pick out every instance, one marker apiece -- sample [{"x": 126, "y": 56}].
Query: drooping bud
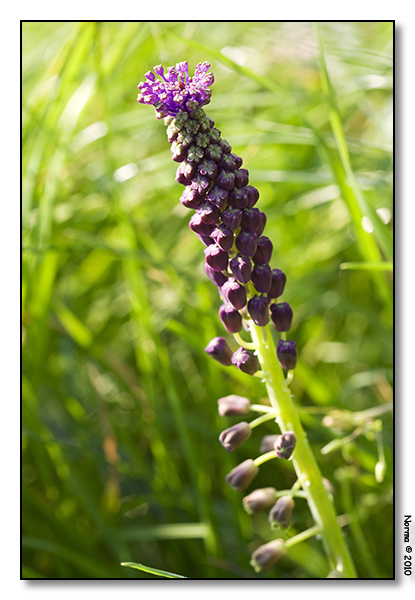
[
  {"x": 238, "y": 198},
  {"x": 225, "y": 179},
  {"x": 233, "y": 405},
  {"x": 250, "y": 220},
  {"x": 235, "y": 436},
  {"x": 209, "y": 213},
  {"x": 223, "y": 237},
  {"x": 253, "y": 195},
  {"x": 281, "y": 513},
  {"x": 242, "y": 475},
  {"x": 245, "y": 361},
  {"x": 241, "y": 178},
  {"x": 216, "y": 277},
  {"x": 198, "y": 226},
  {"x": 278, "y": 284},
  {"x": 246, "y": 242},
  {"x": 267, "y": 443},
  {"x": 287, "y": 354},
  {"x": 259, "y": 500},
  {"x": 219, "y": 349},
  {"x": 218, "y": 196},
  {"x": 267, "y": 555},
  {"x": 282, "y": 316},
  {"x": 285, "y": 444},
  {"x": 262, "y": 278},
  {"x": 258, "y": 310},
  {"x": 263, "y": 253},
  {"x": 230, "y": 318},
  {"x": 234, "y": 293},
  {"x": 241, "y": 267},
  {"x": 216, "y": 258},
  {"x": 231, "y": 217}
]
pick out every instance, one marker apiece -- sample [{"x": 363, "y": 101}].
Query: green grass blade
[
  {"x": 152, "y": 571},
  {"x": 367, "y": 266}
]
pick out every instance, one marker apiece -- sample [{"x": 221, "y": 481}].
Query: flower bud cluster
[{"x": 226, "y": 219}]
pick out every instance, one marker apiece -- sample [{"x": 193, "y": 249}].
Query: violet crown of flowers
[{"x": 176, "y": 90}]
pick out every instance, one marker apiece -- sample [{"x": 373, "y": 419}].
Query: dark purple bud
[
  {"x": 205, "y": 239},
  {"x": 246, "y": 361},
  {"x": 231, "y": 406},
  {"x": 216, "y": 277},
  {"x": 242, "y": 475},
  {"x": 278, "y": 284},
  {"x": 287, "y": 354},
  {"x": 267, "y": 555},
  {"x": 225, "y": 179},
  {"x": 285, "y": 444},
  {"x": 267, "y": 443},
  {"x": 241, "y": 268},
  {"x": 237, "y": 159},
  {"x": 259, "y": 310},
  {"x": 179, "y": 152},
  {"x": 262, "y": 278},
  {"x": 262, "y": 222},
  {"x": 213, "y": 152},
  {"x": 208, "y": 168},
  {"x": 281, "y": 513},
  {"x": 241, "y": 178},
  {"x": 191, "y": 198},
  {"x": 218, "y": 196},
  {"x": 281, "y": 316},
  {"x": 185, "y": 172},
  {"x": 209, "y": 213},
  {"x": 219, "y": 349},
  {"x": 231, "y": 217},
  {"x": 250, "y": 217},
  {"x": 228, "y": 162},
  {"x": 246, "y": 242},
  {"x": 230, "y": 318},
  {"x": 263, "y": 252},
  {"x": 253, "y": 195},
  {"x": 198, "y": 226},
  {"x": 234, "y": 293},
  {"x": 216, "y": 258},
  {"x": 259, "y": 500},
  {"x": 238, "y": 198},
  {"x": 225, "y": 146},
  {"x": 223, "y": 237},
  {"x": 235, "y": 436},
  {"x": 200, "y": 183}
]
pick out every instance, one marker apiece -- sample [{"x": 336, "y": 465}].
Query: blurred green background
[{"x": 120, "y": 458}]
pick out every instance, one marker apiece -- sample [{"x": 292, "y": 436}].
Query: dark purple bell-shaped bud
[
  {"x": 233, "y": 405},
  {"x": 250, "y": 219},
  {"x": 246, "y": 361},
  {"x": 198, "y": 226},
  {"x": 287, "y": 354},
  {"x": 238, "y": 198},
  {"x": 253, "y": 195},
  {"x": 234, "y": 293},
  {"x": 267, "y": 443},
  {"x": 191, "y": 198},
  {"x": 205, "y": 239},
  {"x": 241, "y": 178},
  {"x": 231, "y": 217},
  {"x": 216, "y": 258},
  {"x": 216, "y": 277},
  {"x": 278, "y": 284},
  {"x": 209, "y": 213},
  {"x": 228, "y": 162},
  {"x": 285, "y": 444},
  {"x": 200, "y": 183},
  {"x": 281, "y": 513},
  {"x": 259, "y": 500},
  {"x": 225, "y": 146},
  {"x": 263, "y": 252},
  {"x": 230, "y": 318},
  {"x": 262, "y": 278},
  {"x": 219, "y": 349},
  {"x": 223, "y": 237},
  {"x": 267, "y": 555},
  {"x": 235, "y": 436},
  {"x": 246, "y": 242},
  {"x": 262, "y": 222},
  {"x": 259, "y": 310},
  {"x": 241, "y": 268},
  {"x": 225, "y": 179},
  {"x": 218, "y": 196},
  {"x": 281, "y": 316},
  {"x": 237, "y": 159},
  {"x": 242, "y": 475},
  {"x": 208, "y": 168}
]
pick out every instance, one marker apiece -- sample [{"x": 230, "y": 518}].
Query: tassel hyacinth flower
[{"x": 227, "y": 221}]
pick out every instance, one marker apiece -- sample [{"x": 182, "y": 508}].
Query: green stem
[{"x": 304, "y": 461}]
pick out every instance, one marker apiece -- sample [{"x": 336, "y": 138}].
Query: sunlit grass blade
[
  {"x": 152, "y": 571},
  {"x": 367, "y": 266}
]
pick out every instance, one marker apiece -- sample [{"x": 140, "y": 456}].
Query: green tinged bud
[
  {"x": 281, "y": 513},
  {"x": 259, "y": 500},
  {"x": 267, "y": 555}
]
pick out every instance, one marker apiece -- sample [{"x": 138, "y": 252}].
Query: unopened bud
[
  {"x": 235, "y": 436},
  {"x": 287, "y": 354},
  {"x": 259, "y": 310},
  {"x": 233, "y": 405},
  {"x": 267, "y": 555},
  {"x": 245, "y": 361},
  {"x": 281, "y": 513},
  {"x": 267, "y": 443},
  {"x": 285, "y": 444},
  {"x": 278, "y": 284},
  {"x": 242, "y": 475},
  {"x": 219, "y": 349},
  {"x": 259, "y": 500},
  {"x": 281, "y": 316},
  {"x": 230, "y": 318}
]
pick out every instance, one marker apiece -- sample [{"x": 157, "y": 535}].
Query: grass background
[{"x": 120, "y": 458}]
